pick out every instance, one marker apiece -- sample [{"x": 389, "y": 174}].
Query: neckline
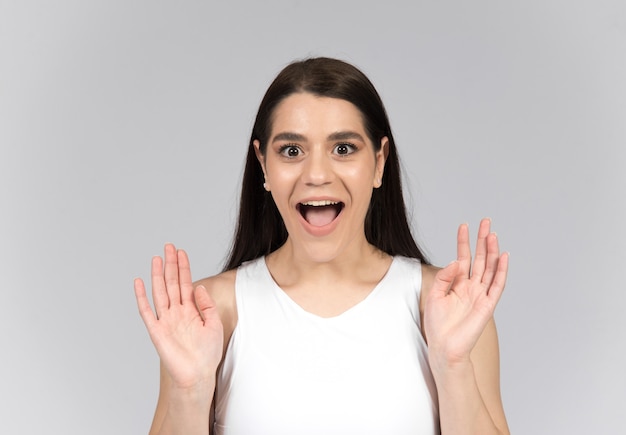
[{"x": 356, "y": 307}]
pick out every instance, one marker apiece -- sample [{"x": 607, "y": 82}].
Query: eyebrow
[
  {"x": 296, "y": 137},
  {"x": 346, "y": 135},
  {"x": 288, "y": 136}
]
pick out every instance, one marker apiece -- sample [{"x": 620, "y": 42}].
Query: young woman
[{"x": 327, "y": 318}]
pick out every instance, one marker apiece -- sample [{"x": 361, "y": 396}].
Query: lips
[{"x": 320, "y": 213}]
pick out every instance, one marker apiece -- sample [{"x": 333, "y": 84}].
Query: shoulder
[
  {"x": 428, "y": 278},
  {"x": 219, "y": 284},
  {"x": 427, "y": 273},
  {"x": 221, "y": 288}
]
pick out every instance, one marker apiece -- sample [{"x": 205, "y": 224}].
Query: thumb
[
  {"x": 444, "y": 279},
  {"x": 204, "y": 302}
]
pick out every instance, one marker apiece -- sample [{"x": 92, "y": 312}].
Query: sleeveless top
[{"x": 289, "y": 372}]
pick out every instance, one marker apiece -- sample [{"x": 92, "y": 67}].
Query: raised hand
[
  {"x": 464, "y": 296},
  {"x": 186, "y": 329}
]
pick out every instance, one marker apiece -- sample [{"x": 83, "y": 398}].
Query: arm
[
  {"x": 188, "y": 335},
  {"x": 462, "y": 339},
  {"x": 159, "y": 424}
]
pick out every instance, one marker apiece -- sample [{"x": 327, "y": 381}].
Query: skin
[{"x": 318, "y": 149}]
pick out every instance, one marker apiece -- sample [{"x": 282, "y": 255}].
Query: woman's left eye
[{"x": 343, "y": 149}]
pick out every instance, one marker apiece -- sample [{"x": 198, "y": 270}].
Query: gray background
[{"x": 123, "y": 125}]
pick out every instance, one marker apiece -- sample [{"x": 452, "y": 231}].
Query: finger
[
  {"x": 499, "y": 280},
  {"x": 204, "y": 302},
  {"x": 159, "y": 294},
  {"x": 480, "y": 260},
  {"x": 184, "y": 275},
  {"x": 444, "y": 279},
  {"x": 171, "y": 274},
  {"x": 493, "y": 256},
  {"x": 463, "y": 251},
  {"x": 145, "y": 311}
]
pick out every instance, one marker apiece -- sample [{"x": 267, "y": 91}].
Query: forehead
[{"x": 309, "y": 114}]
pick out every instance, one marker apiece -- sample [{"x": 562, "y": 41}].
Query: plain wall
[{"x": 124, "y": 125}]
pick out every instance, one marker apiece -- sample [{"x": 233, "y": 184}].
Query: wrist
[
  {"x": 443, "y": 364},
  {"x": 188, "y": 410},
  {"x": 199, "y": 393}
]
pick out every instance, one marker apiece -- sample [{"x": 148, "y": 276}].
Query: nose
[{"x": 317, "y": 169}]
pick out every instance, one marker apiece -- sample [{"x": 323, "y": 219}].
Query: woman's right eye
[{"x": 290, "y": 151}]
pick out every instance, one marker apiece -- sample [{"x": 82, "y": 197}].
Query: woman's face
[{"x": 321, "y": 167}]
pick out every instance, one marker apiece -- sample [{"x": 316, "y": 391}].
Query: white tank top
[{"x": 289, "y": 372}]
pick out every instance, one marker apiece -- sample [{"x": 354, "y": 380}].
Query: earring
[{"x": 265, "y": 187}]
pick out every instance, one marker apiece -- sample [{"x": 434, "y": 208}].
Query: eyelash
[
  {"x": 283, "y": 150},
  {"x": 351, "y": 148}
]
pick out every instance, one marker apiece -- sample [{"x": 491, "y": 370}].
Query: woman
[{"x": 327, "y": 318}]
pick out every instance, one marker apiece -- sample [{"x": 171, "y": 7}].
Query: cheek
[
  {"x": 361, "y": 177},
  {"x": 280, "y": 176},
  {"x": 281, "y": 183}
]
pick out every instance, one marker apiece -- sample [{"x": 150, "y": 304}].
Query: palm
[
  {"x": 186, "y": 330},
  {"x": 464, "y": 296}
]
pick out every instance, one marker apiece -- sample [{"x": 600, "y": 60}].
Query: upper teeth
[{"x": 320, "y": 203}]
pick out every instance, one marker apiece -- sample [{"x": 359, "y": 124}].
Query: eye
[
  {"x": 343, "y": 149},
  {"x": 290, "y": 151}
]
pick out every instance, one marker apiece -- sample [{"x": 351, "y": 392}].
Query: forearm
[
  {"x": 184, "y": 412},
  {"x": 462, "y": 409}
]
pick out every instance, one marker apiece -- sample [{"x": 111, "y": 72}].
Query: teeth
[{"x": 320, "y": 203}]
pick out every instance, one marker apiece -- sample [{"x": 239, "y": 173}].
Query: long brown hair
[{"x": 260, "y": 228}]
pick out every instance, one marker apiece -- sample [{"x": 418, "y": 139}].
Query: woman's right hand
[{"x": 186, "y": 329}]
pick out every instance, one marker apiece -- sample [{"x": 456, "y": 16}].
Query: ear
[
  {"x": 381, "y": 158},
  {"x": 261, "y": 158}
]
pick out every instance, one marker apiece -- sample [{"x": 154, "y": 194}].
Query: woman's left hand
[{"x": 464, "y": 296}]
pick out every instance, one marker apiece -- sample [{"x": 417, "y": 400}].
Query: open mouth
[{"x": 320, "y": 213}]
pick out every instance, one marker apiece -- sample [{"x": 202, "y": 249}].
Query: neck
[{"x": 292, "y": 263}]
